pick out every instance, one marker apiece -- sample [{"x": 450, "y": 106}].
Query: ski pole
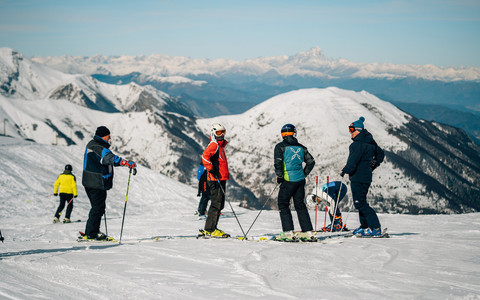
[
  {"x": 268, "y": 199},
  {"x": 125, "y": 206},
  {"x": 336, "y": 204},
  {"x": 1, "y": 236},
  {"x": 316, "y": 203},
  {"x": 325, "y": 221},
  {"x": 231, "y": 207},
  {"x": 349, "y": 211},
  {"x": 105, "y": 218}
]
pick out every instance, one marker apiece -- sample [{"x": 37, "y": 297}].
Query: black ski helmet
[
  {"x": 289, "y": 129},
  {"x": 68, "y": 167}
]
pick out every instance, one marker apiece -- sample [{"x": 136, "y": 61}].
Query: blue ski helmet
[{"x": 289, "y": 129}]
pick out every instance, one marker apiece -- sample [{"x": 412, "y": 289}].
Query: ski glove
[
  {"x": 215, "y": 173},
  {"x": 279, "y": 180},
  {"x": 130, "y": 163},
  {"x": 55, "y": 194},
  {"x": 342, "y": 174}
]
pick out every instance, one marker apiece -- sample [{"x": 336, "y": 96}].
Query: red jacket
[{"x": 215, "y": 160}]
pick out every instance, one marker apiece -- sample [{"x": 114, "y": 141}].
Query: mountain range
[
  {"x": 430, "y": 167},
  {"x": 236, "y": 86}
]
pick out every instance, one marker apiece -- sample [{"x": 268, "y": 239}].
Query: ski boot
[
  {"x": 306, "y": 236},
  {"x": 217, "y": 233},
  {"x": 66, "y": 220},
  {"x": 55, "y": 220},
  {"x": 372, "y": 232},
  {"x": 358, "y": 231},
  {"x": 337, "y": 225},
  {"x": 286, "y": 236}
]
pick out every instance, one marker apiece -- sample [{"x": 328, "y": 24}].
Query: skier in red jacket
[{"x": 215, "y": 161}]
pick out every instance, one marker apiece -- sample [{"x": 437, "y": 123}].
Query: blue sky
[{"x": 441, "y": 32}]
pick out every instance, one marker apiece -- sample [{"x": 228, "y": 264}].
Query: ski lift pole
[
  {"x": 231, "y": 207},
  {"x": 268, "y": 199},
  {"x": 126, "y": 197}
]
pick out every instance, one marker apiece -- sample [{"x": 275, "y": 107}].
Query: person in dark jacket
[
  {"x": 289, "y": 156},
  {"x": 66, "y": 185},
  {"x": 364, "y": 157},
  {"x": 97, "y": 178},
  {"x": 203, "y": 190}
]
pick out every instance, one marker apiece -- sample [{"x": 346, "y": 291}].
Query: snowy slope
[
  {"x": 322, "y": 117},
  {"x": 428, "y": 257},
  {"x": 313, "y": 62}
]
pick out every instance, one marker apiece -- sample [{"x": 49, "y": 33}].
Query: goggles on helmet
[
  {"x": 284, "y": 134},
  {"x": 220, "y": 132}
]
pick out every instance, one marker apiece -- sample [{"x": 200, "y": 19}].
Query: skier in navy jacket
[
  {"x": 97, "y": 178},
  {"x": 364, "y": 157}
]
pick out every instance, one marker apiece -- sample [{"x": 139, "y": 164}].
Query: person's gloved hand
[
  {"x": 130, "y": 163},
  {"x": 215, "y": 173},
  {"x": 280, "y": 180},
  {"x": 75, "y": 196},
  {"x": 342, "y": 174},
  {"x": 55, "y": 194},
  {"x": 374, "y": 164}
]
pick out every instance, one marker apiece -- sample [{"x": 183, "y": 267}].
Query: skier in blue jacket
[
  {"x": 289, "y": 156},
  {"x": 364, "y": 157}
]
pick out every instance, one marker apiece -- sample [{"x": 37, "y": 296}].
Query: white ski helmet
[{"x": 217, "y": 130}]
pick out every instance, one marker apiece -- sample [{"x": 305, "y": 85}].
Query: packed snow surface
[{"x": 427, "y": 257}]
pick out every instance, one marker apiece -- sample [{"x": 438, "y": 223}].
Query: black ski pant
[
  {"x": 368, "y": 217},
  {"x": 97, "y": 200},
  {"x": 202, "y": 205},
  {"x": 297, "y": 191},
  {"x": 65, "y": 198},
  {"x": 217, "y": 203}
]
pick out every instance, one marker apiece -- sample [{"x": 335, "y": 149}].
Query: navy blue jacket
[
  {"x": 289, "y": 156},
  {"x": 365, "y": 155},
  {"x": 98, "y": 164}
]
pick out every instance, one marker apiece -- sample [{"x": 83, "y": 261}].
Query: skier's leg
[
  {"x": 202, "y": 205},
  {"x": 284, "y": 195},
  {"x": 222, "y": 202},
  {"x": 61, "y": 206},
  {"x": 97, "y": 200},
  {"x": 368, "y": 217},
  {"x": 69, "y": 206},
  {"x": 215, "y": 206},
  {"x": 301, "y": 208}
]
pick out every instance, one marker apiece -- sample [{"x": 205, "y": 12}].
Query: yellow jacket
[{"x": 67, "y": 183}]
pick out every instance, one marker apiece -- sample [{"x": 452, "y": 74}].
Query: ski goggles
[
  {"x": 351, "y": 129},
  {"x": 220, "y": 132},
  {"x": 284, "y": 134}
]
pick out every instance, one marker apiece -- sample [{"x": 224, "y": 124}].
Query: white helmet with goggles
[{"x": 217, "y": 130}]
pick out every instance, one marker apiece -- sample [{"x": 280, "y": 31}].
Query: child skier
[{"x": 68, "y": 190}]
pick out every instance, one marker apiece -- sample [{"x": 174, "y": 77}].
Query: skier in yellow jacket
[{"x": 68, "y": 191}]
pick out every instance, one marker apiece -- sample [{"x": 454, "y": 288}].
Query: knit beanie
[
  {"x": 102, "y": 131},
  {"x": 359, "y": 123}
]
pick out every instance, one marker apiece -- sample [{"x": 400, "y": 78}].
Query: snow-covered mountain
[
  {"x": 429, "y": 167},
  {"x": 313, "y": 62},
  {"x": 21, "y": 78}
]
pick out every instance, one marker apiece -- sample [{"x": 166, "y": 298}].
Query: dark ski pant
[
  {"x": 65, "y": 198},
  {"x": 217, "y": 203},
  {"x": 297, "y": 191},
  {"x": 202, "y": 205},
  {"x": 97, "y": 200},
  {"x": 368, "y": 217}
]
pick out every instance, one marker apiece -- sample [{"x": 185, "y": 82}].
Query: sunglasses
[{"x": 220, "y": 132}]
